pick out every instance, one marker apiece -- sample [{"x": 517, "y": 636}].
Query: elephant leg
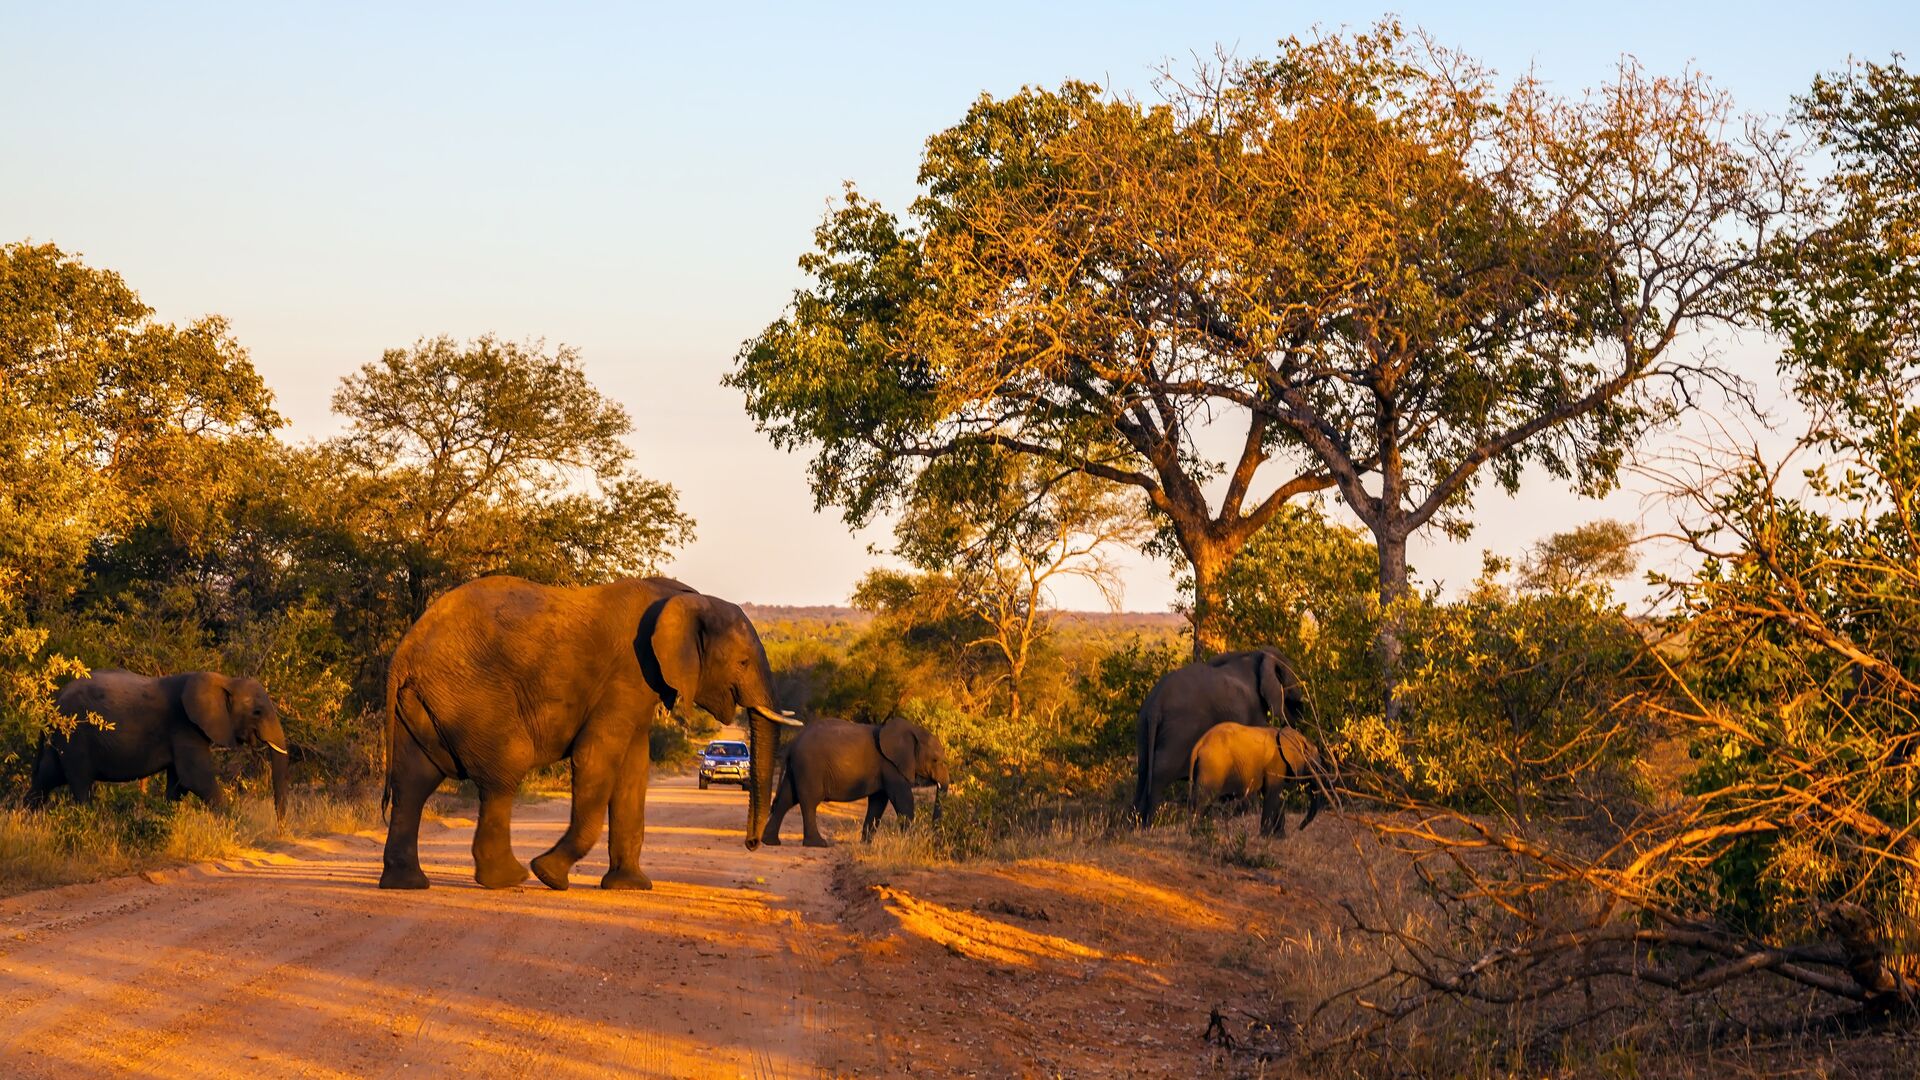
[
  {"x": 593, "y": 770},
  {"x": 46, "y": 776},
  {"x": 899, "y": 792},
  {"x": 1143, "y": 802},
  {"x": 627, "y": 816},
  {"x": 196, "y": 774},
  {"x": 411, "y": 778},
  {"x": 1143, "y": 767},
  {"x": 79, "y": 773},
  {"x": 876, "y": 806},
  {"x": 1273, "y": 811},
  {"x": 493, "y": 863},
  {"x": 810, "y": 823},
  {"x": 783, "y": 801}
]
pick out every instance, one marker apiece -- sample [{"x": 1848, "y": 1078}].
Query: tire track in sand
[{"x": 298, "y": 966}]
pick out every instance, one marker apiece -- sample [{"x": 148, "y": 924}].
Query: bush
[
  {"x": 1107, "y": 722},
  {"x": 1510, "y": 698}
]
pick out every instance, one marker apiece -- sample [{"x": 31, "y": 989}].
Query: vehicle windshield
[{"x": 726, "y": 749}]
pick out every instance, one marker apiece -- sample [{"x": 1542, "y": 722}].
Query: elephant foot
[
  {"x": 501, "y": 877},
  {"x": 771, "y": 839},
  {"x": 552, "y": 871},
  {"x": 399, "y": 877},
  {"x": 816, "y": 841},
  {"x": 626, "y": 878}
]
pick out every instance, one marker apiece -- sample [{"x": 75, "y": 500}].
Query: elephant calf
[
  {"x": 839, "y": 761},
  {"x": 1232, "y": 760},
  {"x": 172, "y": 724}
]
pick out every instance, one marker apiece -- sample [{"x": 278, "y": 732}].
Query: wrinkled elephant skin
[
  {"x": 170, "y": 724},
  {"x": 833, "y": 760},
  {"x": 502, "y": 676}
]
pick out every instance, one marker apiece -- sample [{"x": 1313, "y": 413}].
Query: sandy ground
[{"x": 294, "y": 964}]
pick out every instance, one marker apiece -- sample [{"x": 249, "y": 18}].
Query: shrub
[{"x": 1513, "y": 697}]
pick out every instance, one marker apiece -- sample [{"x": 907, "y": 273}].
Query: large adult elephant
[
  {"x": 172, "y": 724},
  {"x": 1237, "y": 687},
  {"x": 834, "y": 760},
  {"x": 502, "y": 676}
]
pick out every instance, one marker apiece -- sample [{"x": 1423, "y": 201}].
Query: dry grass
[
  {"x": 1273, "y": 914},
  {"x": 126, "y": 832},
  {"x": 920, "y": 846}
]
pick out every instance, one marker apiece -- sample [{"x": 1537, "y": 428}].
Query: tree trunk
[
  {"x": 1392, "y": 547},
  {"x": 1209, "y": 630}
]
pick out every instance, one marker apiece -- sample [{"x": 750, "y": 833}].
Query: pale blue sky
[{"x": 637, "y": 181}]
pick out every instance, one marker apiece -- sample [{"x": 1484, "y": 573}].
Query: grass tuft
[{"x": 125, "y": 831}]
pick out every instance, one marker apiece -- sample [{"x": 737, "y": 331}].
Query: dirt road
[{"x": 295, "y": 965}]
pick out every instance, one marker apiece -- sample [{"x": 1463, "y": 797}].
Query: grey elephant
[
  {"x": 1237, "y": 687},
  {"x": 172, "y": 724},
  {"x": 502, "y": 676},
  {"x": 833, "y": 760},
  {"x": 1235, "y": 760}
]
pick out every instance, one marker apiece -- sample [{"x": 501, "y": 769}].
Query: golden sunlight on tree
[{"x": 1397, "y": 274}]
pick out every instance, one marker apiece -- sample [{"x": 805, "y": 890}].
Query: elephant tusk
[
  {"x": 786, "y": 718},
  {"x": 276, "y": 747}
]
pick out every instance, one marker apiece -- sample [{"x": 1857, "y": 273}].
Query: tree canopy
[
  {"x": 149, "y": 516},
  {"x": 1382, "y": 269}
]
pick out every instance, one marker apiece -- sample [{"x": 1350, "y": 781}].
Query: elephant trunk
[
  {"x": 1315, "y": 800},
  {"x": 762, "y": 758},
  {"x": 939, "y": 790},
  {"x": 1320, "y": 789},
  {"x": 277, "y": 762},
  {"x": 275, "y": 737}
]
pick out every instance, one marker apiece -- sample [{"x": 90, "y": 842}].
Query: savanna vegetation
[
  {"x": 1268, "y": 326},
  {"x": 155, "y": 519},
  {"x": 1370, "y": 263}
]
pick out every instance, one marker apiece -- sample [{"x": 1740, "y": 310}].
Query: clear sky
[{"x": 637, "y": 181}]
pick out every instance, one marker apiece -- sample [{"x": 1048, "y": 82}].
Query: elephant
[
  {"x": 833, "y": 760},
  {"x": 171, "y": 724},
  {"x": 1233, "y": 760},
  {"x": 502, "y": 675},
  {"x": 1237, "y": 687}
]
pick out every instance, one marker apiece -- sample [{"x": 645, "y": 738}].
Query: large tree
[
  {"x": 1396, "y": 277},
  {"x": 1446, "y": 279},
  {"x": 1031, "y": 303},
  {"x": 109, "y": 419},
  {"x": 464, "y": 459}
]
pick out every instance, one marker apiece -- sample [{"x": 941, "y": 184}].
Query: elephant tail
[
  {"x": 409, "y": 717},
  {"x": 393, "y": 723},
  {"x": 1149, "y": 738},
  {"x": 1193, "y": 772}
]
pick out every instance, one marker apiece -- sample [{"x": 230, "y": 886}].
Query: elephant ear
[
  {"x": 1299, "y": 754},
  {"x": 669, "y": 646},
  {"x": 209, "y": 707},
  {"x": 900, "y": 745},
  {"x": 1273, "y": 691}
]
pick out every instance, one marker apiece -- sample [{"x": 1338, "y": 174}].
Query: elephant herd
[
  {"x": 502, "y": 676},
  {"x": 1206, "y": 723}
]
